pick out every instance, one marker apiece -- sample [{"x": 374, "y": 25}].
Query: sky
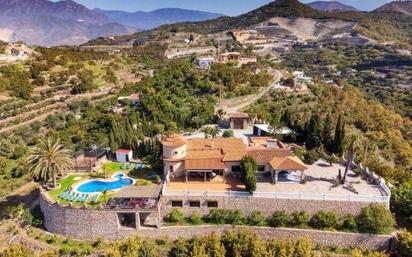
[{"x": 228, "y": 7}]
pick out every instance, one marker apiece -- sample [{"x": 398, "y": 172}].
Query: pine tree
[
  {"x": 327, "y": 133},
  {"x": 339, "y": 136},
  {"x": 314, "y": 132}
]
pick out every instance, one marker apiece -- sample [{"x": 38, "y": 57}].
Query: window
[
  {"x": 177, "y": 204},
  {"x": 236, "y": 168},
  {"x": 175, "y": 152},
  {"x": 194, "y": 204},
  {"x": 171, "y": 168},
  {"x": 261, "y": 168},
  {"x": 212, "y": 204}
]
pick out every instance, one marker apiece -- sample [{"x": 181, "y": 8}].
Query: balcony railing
[{"x": 279, "y": 195}]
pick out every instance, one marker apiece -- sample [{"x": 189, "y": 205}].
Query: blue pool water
[{"x": 95, "y": 186}]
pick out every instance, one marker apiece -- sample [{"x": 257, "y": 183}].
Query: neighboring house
[
  {"x": 300, "y": 78},
  {"x": 235, "y": 57},
  {"x": 205, "y": 62},
  {"x": 133, "y": 99},
  {"x": 236, "y": 120},
  {"x": 262, "y": 130},
  {"x": 218, "y": 159},
  {"x": 124, "y": 155}
]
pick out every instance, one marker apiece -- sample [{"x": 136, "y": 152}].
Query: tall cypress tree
[
  {"x": 327, "y": 133},
  {"x": 314, "y": 132},
  {"x": 339, "y": 136}
]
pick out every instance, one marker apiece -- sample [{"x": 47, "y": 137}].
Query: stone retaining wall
[
  {"x": 90, "y": 224},
  {"x": 266, "y": 205},
  {"x": 326, "y": 238}
]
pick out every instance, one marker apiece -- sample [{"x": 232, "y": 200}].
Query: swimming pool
[{"x": 94, "y": 186}]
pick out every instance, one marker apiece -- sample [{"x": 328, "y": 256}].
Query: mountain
[
  {"x": 331, "y": 6},
  {"x": 42, "y": 22},
  {"x": 404, "y": 7},
  {"x": 149, "y": 20}
]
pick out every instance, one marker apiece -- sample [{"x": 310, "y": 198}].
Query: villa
[
  {"x": 218, "y": 159},
  {"x": 201, "y": 174}
]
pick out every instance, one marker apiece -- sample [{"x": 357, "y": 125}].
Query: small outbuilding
[{"x": 124, "y": 155}]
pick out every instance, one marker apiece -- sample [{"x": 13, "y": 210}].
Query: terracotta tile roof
[
  {"x": 267, "y": 154},
  {"x": 123, "y": 151},
  {"x": 174, "y": 140},
  {"x": 263, "y": 141},
  {"x": 204, "y": 164},
  {"x": 237, "y": 115},
  {"x": 233, "y": 148},
  {"x": 288, "y": 163},
  {"x": 204, "y": 154},
  {"x": 134, "y": 97}
]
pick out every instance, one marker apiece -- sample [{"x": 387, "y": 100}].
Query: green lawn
[{"x": 65, "y": 184}]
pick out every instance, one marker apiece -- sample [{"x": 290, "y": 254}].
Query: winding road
[{"x": 277, "y": 75}]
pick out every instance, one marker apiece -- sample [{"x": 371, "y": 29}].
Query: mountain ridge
[
  {"x": 404, "y": 7},
  {"x": 331, "y": 6},
  {"x": 149, "y": 20}
]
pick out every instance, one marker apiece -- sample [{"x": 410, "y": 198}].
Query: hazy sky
[{"x": 229, "y": 7}]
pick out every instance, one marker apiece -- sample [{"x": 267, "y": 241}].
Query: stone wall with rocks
[
  {"x": 326, "y": 238},
  {"x": 91, "y": 224},
  {"x": 266, "y": 205}
]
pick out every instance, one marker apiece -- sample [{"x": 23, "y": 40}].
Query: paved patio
[
  {"x": 315, "y": 185},
  {"x": 232, "y": 184}
]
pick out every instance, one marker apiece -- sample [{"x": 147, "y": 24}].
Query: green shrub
[
  {"x": 402, "y": 200},
  {"x": 218, "y": 216},
  {"x": 175, "y": 216},
  {"x": 235, "y": 217},
  {"x": 300, "y": 219},
  {"x": 312, "y": 156},
  {"x": 228, "y": 133},
  {"x": 324, "y": 220},
  {"x": 225, "y": 216},
  {"x": 349, "y": 223},
  {"x": 404, "y": 244},
  {"x": 279, "y": 219},
  {"x": 376, "y": 219},
  {"x": 257, "y": 218},
  {"x": 195, "y": 218}
]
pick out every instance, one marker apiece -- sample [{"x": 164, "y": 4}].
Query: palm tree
[{"x": 48, "y": 159}]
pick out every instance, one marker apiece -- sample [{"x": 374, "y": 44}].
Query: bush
[
  {"x": 235, "y": 217},
  {"x": 402, "y": 200},
  {"x": 349, "y": 223},
  {"x": 312, "y": 156},
  {"x": 175, "y": 216},
  {"x": 279, "y": 219},
  {"x": 300, "y": 219},
  {"x": 218, "y": 216},
  {"x": 224, "y": 216},
  {"x": 376, "y": 219},
  {"x": 404, "y": 244},
  {"x": 195, "y": 218},
  {"x": 257, "y": 219},
  {"x": 228, "y": 133},
  {"x": 324, "y": 220}
]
